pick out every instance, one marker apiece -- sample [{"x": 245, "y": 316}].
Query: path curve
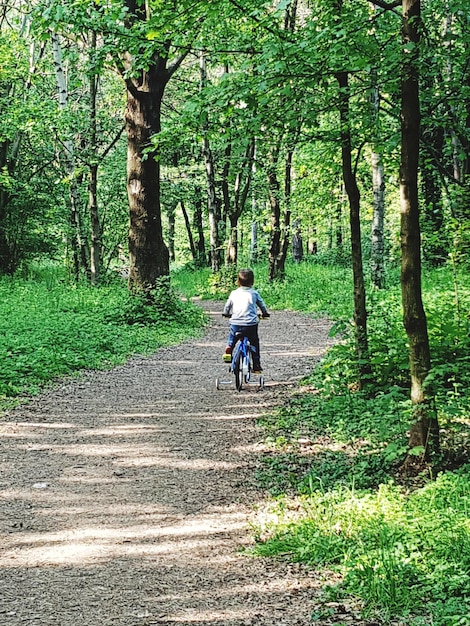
[{"x": 125, "y": 495}]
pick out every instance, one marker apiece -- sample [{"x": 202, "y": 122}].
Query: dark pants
[{"x": 251, "y": 332}]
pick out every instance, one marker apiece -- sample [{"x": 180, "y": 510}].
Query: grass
[
  {"x": 406, "y": 556},
  {"x": 50, "y": 328},
  {"x": 319, "y": 290}
]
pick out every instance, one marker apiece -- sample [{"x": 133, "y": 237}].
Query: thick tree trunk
[
  {"x": 352, "y": 190},
  {"x": 424, "y": 431},
  {"x": 148, "y": 254}
]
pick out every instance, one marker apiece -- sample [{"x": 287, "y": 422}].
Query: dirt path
[{"x": 125, "y": 495}]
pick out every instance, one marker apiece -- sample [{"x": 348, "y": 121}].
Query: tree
[
  {"x": 146, "y": 72},
  {"x": 424, "y": 431}
]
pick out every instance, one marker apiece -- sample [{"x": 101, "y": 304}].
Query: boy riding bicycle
[{"x": 242, "y": 309}]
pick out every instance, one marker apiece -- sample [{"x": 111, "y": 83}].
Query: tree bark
[
  {"x": 148, "y": 253},
  {"x": 240, "y": 195},
  {"x": 377, "y": 255},
  {"x": 96, "y": 235},
  {"x": 424, "y": 430},
  {"x": 377, "y": 265},
  {"x": 213, "y": 206},
  {"x": 275, "y": 204},
  {"x": 198, "y": 225},
  {"x": 79, "y": 246},
  {"x": 352, "y": 190}
]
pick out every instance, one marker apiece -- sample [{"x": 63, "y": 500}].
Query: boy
[{"x": 242, "y": 309}]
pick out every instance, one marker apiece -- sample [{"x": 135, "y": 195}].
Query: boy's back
[{"x": 242, "y": 305}]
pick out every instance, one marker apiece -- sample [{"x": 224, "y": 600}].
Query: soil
[{"x": 127, "y": 495}]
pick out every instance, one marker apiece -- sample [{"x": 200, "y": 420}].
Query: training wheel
[
  {"x": 217, "y": 383},
  {"x": 261, "y": 382}
]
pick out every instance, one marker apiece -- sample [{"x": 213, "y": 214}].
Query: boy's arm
[
  {"x": 227, "y": 312},
  {"x": 263, "y": 307}
]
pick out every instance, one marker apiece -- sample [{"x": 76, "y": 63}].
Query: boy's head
[{"x": 246, "y": 278}]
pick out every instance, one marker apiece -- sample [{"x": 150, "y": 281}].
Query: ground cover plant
[
  {"x": 50, "y": 328},
  {"x": 298, "y": 292}
]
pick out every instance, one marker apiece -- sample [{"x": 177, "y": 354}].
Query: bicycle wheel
[{"x": 238, "y": 369}]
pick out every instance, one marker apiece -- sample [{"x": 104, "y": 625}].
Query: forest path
[{"x": 125, "y": 495}]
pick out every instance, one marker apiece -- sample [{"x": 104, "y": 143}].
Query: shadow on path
[{"x": 125, "y": 495}]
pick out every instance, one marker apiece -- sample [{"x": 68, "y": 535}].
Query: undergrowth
[
  {"x": 333, "y": 458},
  {"x": 50, "y": 328}
]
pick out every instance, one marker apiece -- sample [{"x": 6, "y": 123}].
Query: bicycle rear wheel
[{"x": 238, "y": 369}]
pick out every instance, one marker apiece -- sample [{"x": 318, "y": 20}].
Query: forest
[{"x": 151, "y": 149}]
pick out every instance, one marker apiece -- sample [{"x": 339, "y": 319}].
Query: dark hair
[{"x": 246, "y": 278}]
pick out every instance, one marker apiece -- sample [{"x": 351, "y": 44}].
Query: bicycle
[{"x": 241, "y": 365}]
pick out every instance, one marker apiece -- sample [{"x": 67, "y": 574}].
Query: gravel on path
[{"x": 126, "y": 495}]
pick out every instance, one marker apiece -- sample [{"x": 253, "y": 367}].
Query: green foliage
[
  {"x": 222, "y": 282},
  {"x": 314, "y": 288},
  {"x": 50, "y": 329},
  {"x": 392, "y": 549},
  {"x": 333, "y": 459}
]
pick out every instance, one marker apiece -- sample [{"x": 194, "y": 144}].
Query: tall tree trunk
[
  {"x": 377, "y": 264},
  {"x": 198, "y": 225},
  {"x": 424, "y": 430},
  {"x": 434, "y": 247},
  {"x": 148, "y": 253},
  {"x": 377, "y": 253},
  {"x": 79, "y": 245},
  {"x": 286, "y": 229},
  {"x": 213, "y": 206},
  {"x": 240, "y": 195},
  {"x": 187, "y": 223},
  {"x": 350, "y": 184},
  {"x": 232, "y": 248},
  {"x": 254, "y": 242},
  {"x": 275, "y": 204},
  {"x": 96, "y": 235},
  {"x": 171, "y": 231},
  {"x": 254, "y": 213}
]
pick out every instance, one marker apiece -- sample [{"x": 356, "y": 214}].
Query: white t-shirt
[{"x": 242, "y": 305}]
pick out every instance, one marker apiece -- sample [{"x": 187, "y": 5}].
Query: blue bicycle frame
[{"x": 241, "y": 360}]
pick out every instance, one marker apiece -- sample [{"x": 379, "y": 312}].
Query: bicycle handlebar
[{"x": 260, "y": 317}]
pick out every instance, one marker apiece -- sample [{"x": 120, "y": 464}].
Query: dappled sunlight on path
[{"x": 126, "y": 495}]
